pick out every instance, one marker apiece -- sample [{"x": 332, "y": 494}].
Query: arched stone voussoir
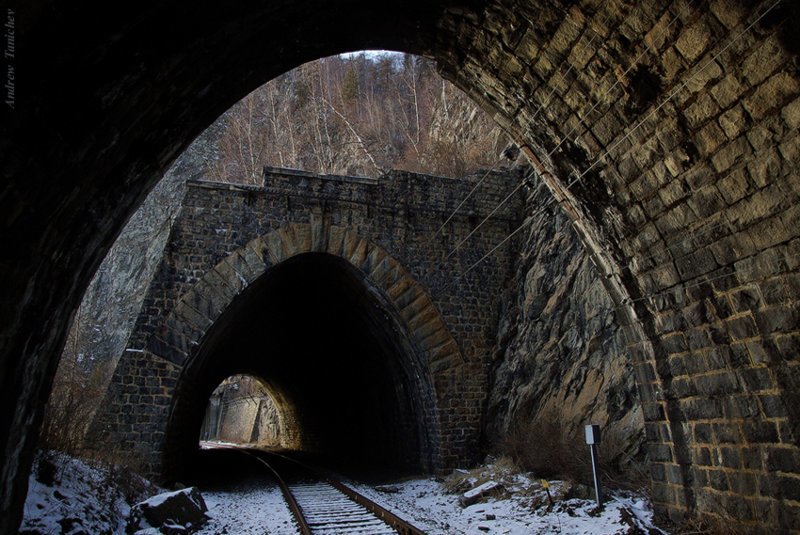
[
  {"x": 335, "y": 242},
  {"x": 375, "y": 263},
  {"x": 207, "y": 299},
  {"x": 170, "y": 346},
  {"x": 247, "y": 263},
  {"x": 387, "y": 273}
]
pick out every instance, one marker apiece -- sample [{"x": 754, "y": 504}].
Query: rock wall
[
  {"x": 267, "y": 427},
  {"x": 112, "y": 301},
  {"x": 560, "y": 361}
]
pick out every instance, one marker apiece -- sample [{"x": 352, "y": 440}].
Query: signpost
[{"x": 593, "y": 439}]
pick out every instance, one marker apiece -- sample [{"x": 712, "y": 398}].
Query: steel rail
[{"x": 334, "y": 520}]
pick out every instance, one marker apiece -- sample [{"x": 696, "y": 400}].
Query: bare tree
[{"x": 357, "y": 115}]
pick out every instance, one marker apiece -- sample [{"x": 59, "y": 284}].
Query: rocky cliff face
[
  {"x": 560, "y": 361},
  {"x": 112, "y": 301}
]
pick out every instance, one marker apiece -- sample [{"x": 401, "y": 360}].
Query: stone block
[
  {"x": 694, "y": 40},
  {"x": 742, "y": 327},
  {"x": 757, "y": 379},
  {"x": 720, "y": 384},
  {"x": 672, "y": 63},
  {"x": 760, "y": 432},
  {"x": 789, "y": 487},
  {"x": 727, "y": 91},
  {"x": 733, "y": 122},
  {"x": 771, "y": 94},
  {"x": 674, "y": 343},
  {"x": 709, "y": 138},
  {"x": 702, "y": 457},
  {"x": 764, "y": 60},
  {"x": 788, "y": 347},
  {"x": 778, "y": 319},
  {"x": 657, "y": 472},
  {"x": 701, "y": 110},
  {"x": 738, "y": 507},
  {"x": 788, "y": 516},
  {"x": 729, "y": 457},
  {"x": 734, "y": 186},
  {"x": 791, "y": 114},
  {"x": 653, "y": 412},
  {"x": 659, "y": 453},
  {"x": 701, "y": 409},
  {"x": 703, "y": 434},
  {"x": 728, "y": 12},
  {"x": 772, "y": 405},
  {"x": 717, "y": 480},
  {"x": 696, "y": 264},
  {"x": 706, "y": 202},
  {"x": 709, "y": 71},
  {"x": 734, "y": 152},
  {"x": 673, "y": 192},
  {"x": 782, "y": 459},
  {"x": 698, "y": 339},
  {"x": 790, "y": 149}
]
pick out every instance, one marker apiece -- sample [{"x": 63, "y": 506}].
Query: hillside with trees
[{"x": 356, "y": 115}]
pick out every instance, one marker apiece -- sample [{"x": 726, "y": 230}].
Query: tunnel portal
[
  {"x": 346, "y": 379},
  {"x": 329, "y": 289},
  {"x": 677, "y": 165}
]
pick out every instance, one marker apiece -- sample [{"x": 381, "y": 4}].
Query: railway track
[{"x": 324, "y": 506}]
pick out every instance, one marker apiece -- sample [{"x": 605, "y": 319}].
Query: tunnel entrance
[
  {"x": 242, "y": 411},
  {"x": 346, "y": 380}
]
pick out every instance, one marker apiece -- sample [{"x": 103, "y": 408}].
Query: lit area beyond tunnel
[
  {"x": 346, "y": 382},
  {"x": 242, "y": 411}
]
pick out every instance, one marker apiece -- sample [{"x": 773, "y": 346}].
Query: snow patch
[
  {"x": 248, "y": 509},
  {"x": 70, "y": 496}
]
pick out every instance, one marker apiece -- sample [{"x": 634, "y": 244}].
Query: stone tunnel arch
[
  {"x": 423, "y": 353},
  {"x": 714, "y": 333}
]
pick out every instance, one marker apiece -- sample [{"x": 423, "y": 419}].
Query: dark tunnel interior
[{"x": 345, "y": 377}]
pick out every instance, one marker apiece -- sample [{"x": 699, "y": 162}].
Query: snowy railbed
[
  {"x": 248, "y": 509},
  {"x": 427, "y": 504},
  {"x": 519, "y": 505},
  {"x": 70, "y": 496}
]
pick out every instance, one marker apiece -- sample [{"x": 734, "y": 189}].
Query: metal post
[{"x": 593, "y": 439}]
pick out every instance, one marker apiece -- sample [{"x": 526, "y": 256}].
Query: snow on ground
[
  {"x": 432, "y": 506},
  {"x": 426, "y": 504},
  {"x": 67, "y": 495},
  {"x": 248, "y": 508},
  {"x": 71, "y": 497},
  {"x": 518, "y": 505}
]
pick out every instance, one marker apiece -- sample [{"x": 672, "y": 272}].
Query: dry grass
[
  {"x": 499, "y": 470},
  {"x": 70, "y": 409},
  {"x": 548, "y": 450}
]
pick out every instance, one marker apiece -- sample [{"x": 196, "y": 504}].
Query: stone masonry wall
[
  {"x": 400, "y": 213},
  {"x": 668, "y": 132}
]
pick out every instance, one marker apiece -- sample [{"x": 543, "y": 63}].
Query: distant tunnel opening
[
  {"x": 347, "y": 381},
  {"x": 243, "y": 411}
]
